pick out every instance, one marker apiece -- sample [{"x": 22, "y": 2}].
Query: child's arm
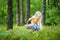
[{"x": 30, "y": 18}]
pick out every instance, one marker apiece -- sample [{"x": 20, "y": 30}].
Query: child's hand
[{"x": 29, "y": 19}]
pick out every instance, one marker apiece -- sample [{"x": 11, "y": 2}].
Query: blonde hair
[{"x": 38, "y": 13}]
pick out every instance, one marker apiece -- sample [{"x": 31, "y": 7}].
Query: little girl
[{"x": 35, "y": 22}]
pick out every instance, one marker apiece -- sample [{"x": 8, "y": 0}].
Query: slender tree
[
  {"x": 58, "y": 8},
  {"x": 22, "y": 13},
  {"x": 10, "y": 15},
  {"x": 18, "y": 12},
  {"x": 22, "y": 23},
  {"x": 28, "y": 9},
  {"x": 44, "y": 11},
  {"x": 48, "y": 2}
]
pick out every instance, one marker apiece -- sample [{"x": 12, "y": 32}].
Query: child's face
[{"x": 38, "y": 15}]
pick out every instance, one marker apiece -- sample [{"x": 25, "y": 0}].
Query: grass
[{"x": 21, "y": 33}]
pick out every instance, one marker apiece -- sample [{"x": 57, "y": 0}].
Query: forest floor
[
  {"x": 21, "y": 33},
  {"x": 4, "y": 27}
]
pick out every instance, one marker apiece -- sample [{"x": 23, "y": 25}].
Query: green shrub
[
  {"x": 24, "y": 34},
  {"x": 52, "y": 17}
]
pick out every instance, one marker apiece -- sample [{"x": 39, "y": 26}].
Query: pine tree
[
  {"x": 18, "y": 12},
  {"x": 28, "y": 9},
  {"x": 10, "y": 15},
  {"x": 44, "y": 11}
]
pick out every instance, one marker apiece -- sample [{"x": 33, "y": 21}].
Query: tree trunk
[
  {"x": 18, "y": 12},
  {"x": 10, "y": 15},
  {"x": 58, "y": 8},
  {"x": 48, "y": 2},
  {"x": 44, "y": 11},
  {"x": 28, "y": 10},
  {"x": 22, "y": 13}
]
